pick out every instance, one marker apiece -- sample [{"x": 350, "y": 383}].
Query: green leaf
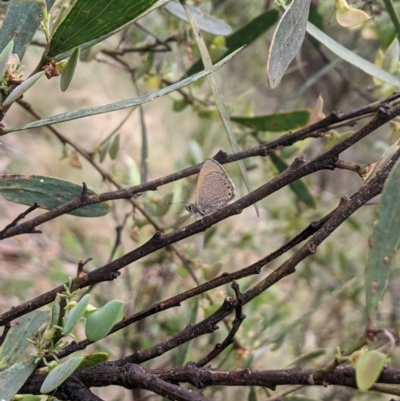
[
  {"x": 205, "y": 22},
  {"x": 28, "y": 398},
  {"x": 390, "y": 60},
  {"x": 105, "y": 147},
  {"x": 21, "y": 23},
  {"x": 93, "y": 359},
  {"x": 89, "y": 20},
  {"x": 22, "y": 88},
  {"x": 306, "y": 357},
  {"x": 55, "y": 311},
  {"x": 180, "y": 104},
  {"x": 368, "y": 368},
  {"x": 76, "y": 313},
  {"x": 277, "y": 122},
  {"x": 13, "y": 378},
  {"x": 48, "y": 192},
  {"x": 100, "y": 322},
  {"x": 4, "y": 56},
  {"x": 114, "y": 148},
  {"x": 69, "y": 69},
  {"x": 298, "y": 187},
  {"x": 252, "y": 394},
  {"x": 384, "y": 243},
  {"x": 124, "y": 104},
  {"x": 352, "y": 58},
  {"x": 25, "y": 327},
  {"x": 244, "y": 36},
  {"x": 287, "y": 40},
  {"x": 59, "y": 374}
]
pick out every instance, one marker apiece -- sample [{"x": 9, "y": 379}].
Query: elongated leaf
[
  {"x": 76, "y": 313},
  {"x": 4, "y": 56},
  {"x": 114, "y": 148},
  {"x": 25, "y": 327},
  {"x": 21, "y": 23},
  {"x": 287, "y": 40},
  {"x": 89, "y": 20},
  {"x": 219, "y": 99},
  {"x": 352, "y": 58},
  {"x": 124, "y": 104},
  {"x": 100, "y": 322},
  {"x": 369, "y": 366},
  {"x": 205, "y": 22},
  {"x": 13, "y": 378},
  {"x": 244, "y": 36},
  {"x": 298, "y": 187},
  {"x": 69, "y": 70},
  {"x": 384, "y": 243},
  {"x": 277, "y": 122},
  {"x": 48, "y": 192},
  {"x": 22, "y": 88},
  {"x": 59, "y": 374}
]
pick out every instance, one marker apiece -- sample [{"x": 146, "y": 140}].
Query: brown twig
[{"x": 298, "y": 169}]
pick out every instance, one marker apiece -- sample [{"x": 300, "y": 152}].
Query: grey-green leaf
[
  {"x": 351, "y": 57},
  {"x": 384, "y": 242},
  {"x": 204, "y": 21},
  {"x": 76, "y": 313},
  {"x": 48, "y": 192},
  {"x": 4, "y": 56},
  {"x": 59, "y": 374},
  {"x": 124, "y": 104},
  {"x": 100, "y": 322},
  {"x": 22, "y": 88},
  {"x": 69, "y": 69},
  {"x": 25, "y": 327},
  {"x": 287, "y": 40},
  {"x": 21, "y": 23},
  {"x": 13, "y": 378}
]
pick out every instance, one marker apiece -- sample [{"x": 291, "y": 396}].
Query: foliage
[{"x": 293, "y": 284}]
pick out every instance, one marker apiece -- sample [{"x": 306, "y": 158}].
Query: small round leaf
[
  {"x": 368, "y": 368},
  {"x": 100, "y": 322}
]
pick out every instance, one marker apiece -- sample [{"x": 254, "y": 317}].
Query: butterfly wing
[{"x": 214, "y": 188}]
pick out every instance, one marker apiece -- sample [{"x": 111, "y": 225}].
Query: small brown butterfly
[{"x": 214, "y": 190}]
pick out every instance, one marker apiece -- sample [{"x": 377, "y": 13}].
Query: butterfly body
[{"x": 214, "y": 190}]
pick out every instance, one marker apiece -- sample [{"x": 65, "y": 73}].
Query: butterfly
[{"x": 214, "y": 190}]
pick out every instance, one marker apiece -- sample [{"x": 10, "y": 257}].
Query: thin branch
[
  {"x": 345, "y": 209},
  {"x": 298, "y": 169},
  {"x": 74, "y": 390},
  {"x": 20, "y": 217},
  {"x": 231, "y": 335},
  {"x": 159, "y": 381},
  {"x": 263, "y": 150}
]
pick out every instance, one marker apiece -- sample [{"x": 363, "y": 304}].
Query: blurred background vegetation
[{"x": 318, "y": 308}]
